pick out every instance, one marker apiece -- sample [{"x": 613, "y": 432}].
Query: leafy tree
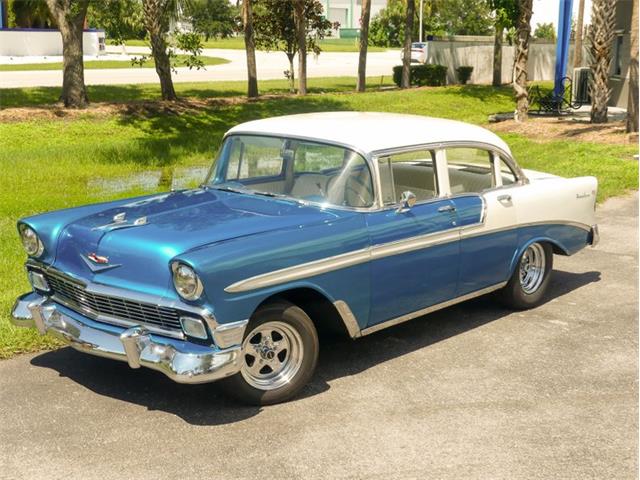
[
  {"x": 441, "y": 17},
  {"x": 523, "y": 26},
  {"x": 212, "y": 18},
  {"x": 250, "y": 48},
  {"x": 601, "y": 36},
  {"x": 406, "y": 52},
  {"x": 120, "y": 19},
  {"x": 505, "y": 14},
  {"x": 69, "y": 16},
  {"x": 29, "y": 14},
  {"x": 364, "y": 41},
  {"x": 157, "y": 14},
  {"x": 545, "y": 31},
  {"x": 275, "y": 29}
]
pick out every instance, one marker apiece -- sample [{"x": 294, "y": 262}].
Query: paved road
[
  {"x": 271, "y": 65},
  {"x": 471, "y": 392}
]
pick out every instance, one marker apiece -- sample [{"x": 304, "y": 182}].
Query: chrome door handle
[
  {"x": 447, "y": 208},
  {"x": 504, "y": 198}
]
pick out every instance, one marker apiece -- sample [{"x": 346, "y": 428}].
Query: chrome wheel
[
  {"x": 532, "y": 268},
  {"x": 272, "y": 354}
]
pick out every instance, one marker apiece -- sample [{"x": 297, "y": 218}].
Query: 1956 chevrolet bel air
[{"x": 351, "y": 220}]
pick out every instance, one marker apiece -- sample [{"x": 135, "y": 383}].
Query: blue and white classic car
[{"x": 353, "y": 220}]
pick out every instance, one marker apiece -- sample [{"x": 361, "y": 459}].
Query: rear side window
[
  {"x": 469, "y": 170},
  {"x": 508, "y": 177}
]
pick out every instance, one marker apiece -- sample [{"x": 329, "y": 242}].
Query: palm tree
[
  {"x": 364, "y": 41},
  {"x": 632, "y": 104},
  {"x": 523, "y": 25},
  {"x": 406, "y": 56},
  {"x": 601, "y": 36},
  {"x": 577, "y": 48},
  {"x": 250, "y": 47}
]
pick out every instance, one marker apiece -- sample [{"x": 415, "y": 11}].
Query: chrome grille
[{"x": 74, "y": 293}]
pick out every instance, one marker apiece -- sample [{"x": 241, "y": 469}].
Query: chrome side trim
[
  {"x": 355, "y": 257},
  {"x": 432, "y": 308},
  {"x": 303, "y": 270},
  {"x": 348, "y": 318}
]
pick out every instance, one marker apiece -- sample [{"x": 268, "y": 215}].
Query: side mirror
[{"x": 407, "y": 200}]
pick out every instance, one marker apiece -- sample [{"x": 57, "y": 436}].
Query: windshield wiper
[
  {"x": 278, "y": 195},
  {"x": 229, "y": 189}
]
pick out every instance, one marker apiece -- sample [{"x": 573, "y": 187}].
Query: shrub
[
  {"x": 464, "y": 74},
  {"x": 430, "y": 75}
]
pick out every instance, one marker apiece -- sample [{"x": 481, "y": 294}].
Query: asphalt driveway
[{"x": 475, "y": 391}]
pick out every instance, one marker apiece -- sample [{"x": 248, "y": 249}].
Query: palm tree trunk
[
  {"x": 497, "y": 55},
  {"x": 406, "y": 56},
  {"x": 577, "y": 48},
  {"x": 364, "y": 42},
  {"x": 157, "y": 24},
  {"x": 632, "y": 104},
  {"x": 601, "y": 36},
  {"x": 523, "y": 25},
  {"x": 301, "y": 35},
  {"x": 250, "y": 47},
  {"x": 70, "y": 19}
]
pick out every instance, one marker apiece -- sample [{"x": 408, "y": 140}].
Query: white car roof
[{"x": 371, "y": 131}]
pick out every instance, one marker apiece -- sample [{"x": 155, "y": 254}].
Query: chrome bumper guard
[
  {"x": 594, "y": 235},
  {"x": 180, "y": 360}
]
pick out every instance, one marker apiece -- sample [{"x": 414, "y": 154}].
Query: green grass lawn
[
  {"x": 52, "y": 164},
  {"x": 237, "y": 43},
  {"x": 24, "y": 97},
  {"x": 95, "y": 64}
]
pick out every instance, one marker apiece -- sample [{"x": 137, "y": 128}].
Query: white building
[{"x": 347, "y": 14}]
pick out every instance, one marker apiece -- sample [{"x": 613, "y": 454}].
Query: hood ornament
[
  {"x": 95, "y": 258},
  {"x": 97, "y": 263},
  {"x": 120, "y": 221}
]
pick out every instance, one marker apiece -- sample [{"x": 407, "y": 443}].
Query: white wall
[
  {"x": 27, "y": 42},
  {"x": 479, "y": 55}
]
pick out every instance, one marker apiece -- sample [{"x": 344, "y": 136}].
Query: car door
[
  {"x": 414, "y": 251},
  {"x": 482, "y": 192}
]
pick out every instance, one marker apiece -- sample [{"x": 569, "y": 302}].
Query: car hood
[{"x": 133, "y": 243}]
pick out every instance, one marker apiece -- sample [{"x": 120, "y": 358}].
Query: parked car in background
[
  {"x": 354, "y": 221},
  {"x": 419, "y": 52}
]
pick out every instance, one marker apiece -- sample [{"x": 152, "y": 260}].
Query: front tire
[
  {"x": 528, "y": 284},
  {"x": 279, "y": 355}
]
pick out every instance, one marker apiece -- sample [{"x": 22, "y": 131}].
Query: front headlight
[
  {"x": 32, "y": 244},
  {"x": 186, "y": 281}
]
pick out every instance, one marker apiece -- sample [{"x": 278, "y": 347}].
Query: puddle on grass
[{"x": 151, "y": 180}]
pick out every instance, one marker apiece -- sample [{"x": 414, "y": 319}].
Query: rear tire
[
  {"x": 279, "y": 355},
  {"x": 528, "y": 284}
]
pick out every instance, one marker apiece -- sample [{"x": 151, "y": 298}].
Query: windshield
[{"x": 290, "y": 168}]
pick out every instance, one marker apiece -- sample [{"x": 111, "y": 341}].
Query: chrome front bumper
[{"x": 180, "y": 360}]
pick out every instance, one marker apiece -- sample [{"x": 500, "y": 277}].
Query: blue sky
[{"x": 545, "y": 11}]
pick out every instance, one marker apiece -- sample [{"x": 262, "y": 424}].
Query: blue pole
[
  {"x": 1, "y": 15},
  {"x": 562, "y": 47}
]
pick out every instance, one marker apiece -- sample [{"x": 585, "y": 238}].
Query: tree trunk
[
  {"x": 406, "y": 53},
  {"x": 250, "y": 47},
  {"x": 156, "y": 23},
  {"x": 497, "y": 56},
  {"x": 70, "y": 15},
  {"x": 292, "y": 77},
  {"x": 632, "y": 104},
  {"x": 523, "y": 25},
  {"x": 601, "y": 36},
  {"x": 364, "y": 42},
  {"x": 577, "y": 48},
  {"x": 301, "y": 35}
]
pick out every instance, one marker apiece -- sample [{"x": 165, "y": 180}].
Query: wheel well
[{"x": 320, "y": 309}]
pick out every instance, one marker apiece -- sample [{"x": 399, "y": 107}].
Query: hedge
[{"x": 431, "y": 75}]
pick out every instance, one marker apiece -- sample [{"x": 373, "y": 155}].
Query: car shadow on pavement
[{"x": 339, "y": 357}]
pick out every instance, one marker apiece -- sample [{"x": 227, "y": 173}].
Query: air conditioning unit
[{"x": 580, "y": 89}]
